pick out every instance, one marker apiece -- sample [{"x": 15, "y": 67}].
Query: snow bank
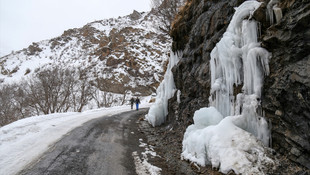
[
  {"x": 224, "y": 146},
  {"x": 158, "y": 112},
  {"x": 143, "y": 167},
  {"x": 207, "y": 116},
  {"x": 237, "y": 141}
]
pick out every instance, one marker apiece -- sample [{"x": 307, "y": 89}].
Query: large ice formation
[
  {"x": 158, "y": 112},
  {"x": 238, "y": 65}
]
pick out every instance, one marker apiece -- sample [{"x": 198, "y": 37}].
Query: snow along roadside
[
  {"x": 143, "y": 167},
  {"x": 24, "y": 141}
]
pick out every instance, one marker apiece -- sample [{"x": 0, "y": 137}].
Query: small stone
[
  {"x": 300, "y": 96},
  {"x": 295, "y": 151},
  {"x": 278, "y": 113}
]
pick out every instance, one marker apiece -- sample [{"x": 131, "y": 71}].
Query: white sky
[{"x": 25, "y": 21}]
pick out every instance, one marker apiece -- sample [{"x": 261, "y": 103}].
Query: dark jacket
[{"x": 132, "y": 100}]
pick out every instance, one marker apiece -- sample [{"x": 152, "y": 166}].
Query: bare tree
[
  {"x": 82, "y": 91},
  {"x": 108, "y": 99},
  {"x": 7, "y": 112},
  {"x": 123, "y": 99},
  {"x": 166, "y": 10},
  {"x": 103, "y": 99},
  {"x": 50, "y": 90},
  {"x": 13, "y": 105},
  {"x": 97, "y": 96},
  {"x": 20, "y": 101}
]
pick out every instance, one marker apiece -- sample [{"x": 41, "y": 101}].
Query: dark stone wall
[{"x": 286, "y": 92}]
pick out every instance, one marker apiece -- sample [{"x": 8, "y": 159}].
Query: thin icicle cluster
[{"x": 231, "y": 140}]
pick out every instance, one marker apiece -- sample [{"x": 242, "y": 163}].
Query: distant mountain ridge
[{"x": 127, "y": 54}]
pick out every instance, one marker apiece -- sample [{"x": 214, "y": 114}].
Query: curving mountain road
[{"x": 102, "y": 146}]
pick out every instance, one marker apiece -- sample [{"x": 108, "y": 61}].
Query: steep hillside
[
  {"x": 284, "y": 31},
  {"x": 127, "y": 54}
]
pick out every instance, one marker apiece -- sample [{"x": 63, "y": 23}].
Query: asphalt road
[{"x": 102, "y": 146}]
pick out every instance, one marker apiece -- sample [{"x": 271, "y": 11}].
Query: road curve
[{"x": 102, "y": 146}]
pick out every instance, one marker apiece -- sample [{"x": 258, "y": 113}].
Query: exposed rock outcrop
[
  {"x": 135, "y": 15},
  {"x": 286, "y": 97}
]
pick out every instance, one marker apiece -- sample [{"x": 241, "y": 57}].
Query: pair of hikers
[{"x": 137, "y": 101}]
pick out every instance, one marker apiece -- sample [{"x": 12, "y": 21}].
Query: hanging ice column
[
  {"x": 239, "y": 60},
  {"x": 226, "y": 134},
  {"x": 274, "y": 10},
  {"x": 158, "y": 112}
]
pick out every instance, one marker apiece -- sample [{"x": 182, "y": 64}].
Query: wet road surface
[{"x": 102, "y": 146}]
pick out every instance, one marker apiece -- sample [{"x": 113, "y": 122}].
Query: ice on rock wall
[
  {"x": 158, "y": 111},
  {"x": 238, "y": 60},
  {"x": 274, "y": 11},
  {"x": 238, "y": 65}
]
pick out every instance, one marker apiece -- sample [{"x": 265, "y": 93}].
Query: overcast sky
[{"x": 25, "y": 21}]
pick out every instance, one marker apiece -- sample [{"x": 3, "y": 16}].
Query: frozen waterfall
[
  {"x": 239, "y": 60},
  {"x": 158, "y": 112},
  {"x": 226, "y": 135}
]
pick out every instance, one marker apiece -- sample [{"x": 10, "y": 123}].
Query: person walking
[
  {"x": 132, "y": 100},
  {"x": 137, "y": 103}
]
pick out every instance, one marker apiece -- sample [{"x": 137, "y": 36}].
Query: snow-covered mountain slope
[{"x": 127, "y": 54}]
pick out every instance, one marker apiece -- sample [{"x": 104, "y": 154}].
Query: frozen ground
[{"x": 26, "y": 140}]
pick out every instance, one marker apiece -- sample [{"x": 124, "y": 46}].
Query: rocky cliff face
[
  {"x": 127, "y": 54},
  {"x": 285, "y": 99}
]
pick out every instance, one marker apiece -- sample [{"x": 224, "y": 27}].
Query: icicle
[
  {"x": 273, "y": 9},
  {"x": 278, "y": 13},
  {"x": 179, "y": 96}
]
